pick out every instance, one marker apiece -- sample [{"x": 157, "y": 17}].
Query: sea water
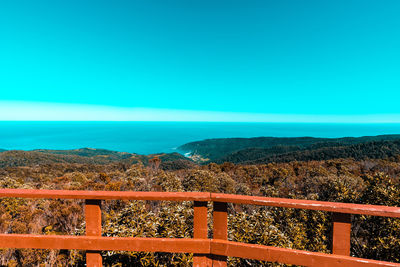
[{"x": 155, "y": 137}]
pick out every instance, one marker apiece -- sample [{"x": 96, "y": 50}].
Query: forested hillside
[
  {"x": 372, "y": 181},
  {"x": 343, "y": 170},
  {"x": 370, "y": 150},
  {"x": 15, "y": 158},
  {"x": 271, "y": 149}
]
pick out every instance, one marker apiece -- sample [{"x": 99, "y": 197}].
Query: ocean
[{"x": 156, "y": 137}]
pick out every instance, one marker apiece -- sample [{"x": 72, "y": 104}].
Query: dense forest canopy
[
  {"x": 275, "y": 149},
  {"x": 366, "y": 173},
  {"x": 14, "y": 158}
]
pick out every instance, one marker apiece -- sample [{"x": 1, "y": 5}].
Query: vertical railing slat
[
  {"x": 201, "y": 231},
  {"x": 341, "y": 233},
  {"x": 220, "y": 229},
  {"x": 93, "y": 228}
]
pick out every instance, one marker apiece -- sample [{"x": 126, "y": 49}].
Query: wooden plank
[
  {"x": 220, "y": 230},
  {"x": 173, "y": 245},
  {"x": 181, "y": 245},
  {"x": 291, "y": 256},
  {"x": 341, "y": 233},
  {"x": 105, "y": 195},
  {"x": 93, "y": 228},
  {"x": 374, "y": 210},
  {"x": 200, "y": 226}
]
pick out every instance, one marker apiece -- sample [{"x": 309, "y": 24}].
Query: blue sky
[{"x": 216, "y": 60}]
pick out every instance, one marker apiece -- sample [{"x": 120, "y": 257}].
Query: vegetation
[
  {"x": 374, "y": 150},
  {"x": 14, "y": 158},
  {"x": 354, "y": 170},
  {"x": 263, "y": 150},
  {"x": 370, "y": 181}
]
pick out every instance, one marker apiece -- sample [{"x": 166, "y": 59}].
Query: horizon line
[
  {"x": 45, "y": 111},
  {"x": 177, "y": 121}
]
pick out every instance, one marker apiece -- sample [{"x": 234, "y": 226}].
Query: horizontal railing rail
[
  {"x": 350, "y": 208},
  {"x": 207, "y": 252},
  {"x": 105, "y": 195}
]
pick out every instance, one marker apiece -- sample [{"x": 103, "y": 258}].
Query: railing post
[
  {"x": 93, "y": 228},
  {"x": 341, "y": 233},
  {"x": 201, "y": 231},
  {"x": 220, "y": 229}
]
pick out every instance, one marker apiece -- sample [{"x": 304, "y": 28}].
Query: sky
[{"x": 225, "y": 60}]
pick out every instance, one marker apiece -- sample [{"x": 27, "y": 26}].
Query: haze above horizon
[{"x": 255, "y": 61}]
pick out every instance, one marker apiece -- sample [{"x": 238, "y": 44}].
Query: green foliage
[
  {"x": 345, "y": 180},
  {"x": 256, "y": 227},
  {"x": 208, "y": 181},
  {"x": 170, "y": 220},
  {"x": 263, "y": 150},
  {"x": 15, "y": 158},
  {"x": 383, "y": 233}
]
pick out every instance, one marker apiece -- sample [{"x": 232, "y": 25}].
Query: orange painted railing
[{"x": 207, "y": 252}]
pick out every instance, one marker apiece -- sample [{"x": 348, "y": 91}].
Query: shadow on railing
[{"x": 207, "y": 252}]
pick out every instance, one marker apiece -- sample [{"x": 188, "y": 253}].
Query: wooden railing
[{"x": 207, "y": 252}]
